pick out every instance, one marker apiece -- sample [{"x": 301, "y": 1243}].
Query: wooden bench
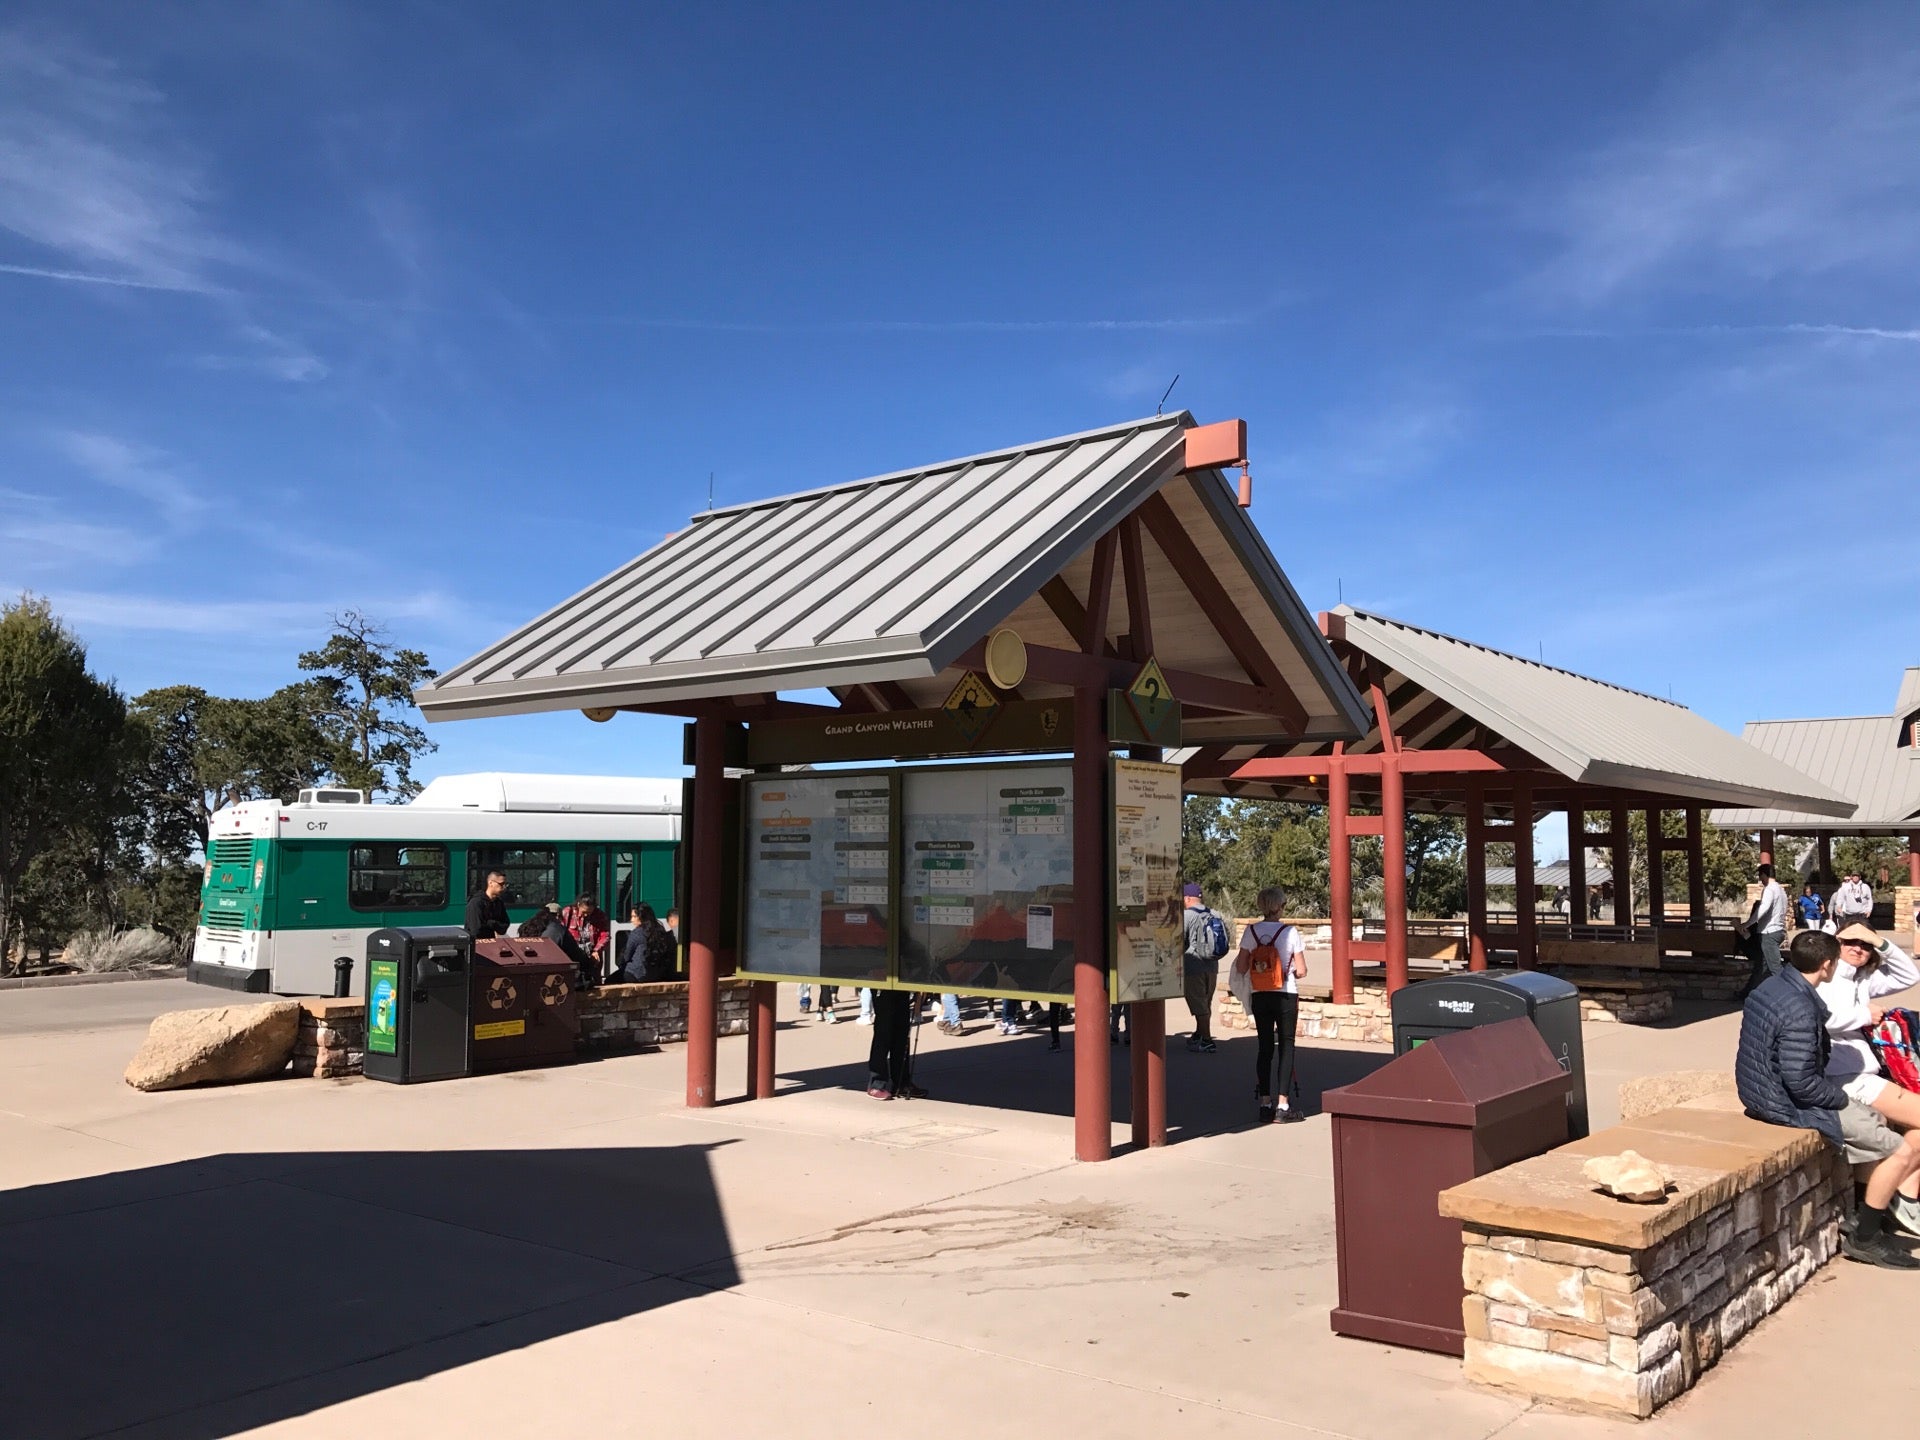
[{"x": 1575, "y": 1297}]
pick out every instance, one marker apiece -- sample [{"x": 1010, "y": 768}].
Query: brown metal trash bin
[
  {"x": 1446, "y": 1111},
  {"x": 524, "y": 1009}
]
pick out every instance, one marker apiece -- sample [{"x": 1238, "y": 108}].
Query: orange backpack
[{"x": 1267, "y": 964}]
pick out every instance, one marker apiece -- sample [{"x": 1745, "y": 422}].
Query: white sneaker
[
  {"x": 829, "y": 1017},
  {"x": 866, "y": 1019}
]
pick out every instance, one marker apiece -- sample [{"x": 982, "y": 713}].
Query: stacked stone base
[
  {"x": 333, "y": 1033},
  {"x": 1624, "y": 1006},
  {"x": 1627, "y": 1330}
]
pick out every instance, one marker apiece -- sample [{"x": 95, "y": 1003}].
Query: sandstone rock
[
  {"x": 1628, "y": 1176},
  {"x": 200, "y": 1047},
  {"x": 1650, "y": 1094}
]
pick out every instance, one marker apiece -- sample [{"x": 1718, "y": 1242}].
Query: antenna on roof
[
  {"x": 1164, "y": 393},
  {"x": 1340, "y": 589},
  {"x": 709, "y": 489},
  {"x": 1543, "y": 650}
]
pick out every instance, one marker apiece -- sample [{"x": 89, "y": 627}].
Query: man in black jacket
[
  {"x": 1781, "y": 1074},
  {"x": 487, "y": 908}
]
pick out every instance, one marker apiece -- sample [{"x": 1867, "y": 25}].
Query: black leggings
[{"x": 1276, "y": 1015}]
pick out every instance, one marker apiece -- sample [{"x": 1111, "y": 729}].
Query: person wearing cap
[
  {"x": 1852, "y": 903},
  {"x": 1870, "y": 969},
  {"x": 1205, "y": 943}
]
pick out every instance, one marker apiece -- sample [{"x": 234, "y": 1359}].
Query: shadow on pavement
[
  {"x": 198, "y": 1299},
  {"x": 1207, "y": 1094}
]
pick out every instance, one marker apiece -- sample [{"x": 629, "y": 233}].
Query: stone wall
[
  {"x": 1579, "y": 1299},
  {"x": 333, "y": 1033},
  {"x": 1631, "y": 1002}
]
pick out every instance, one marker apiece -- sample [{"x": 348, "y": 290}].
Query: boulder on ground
[
  {"x": 206, "y": 1047},
  {"x": 1650, "y": 1094},
  {"x": 1628, "y": 1176}
]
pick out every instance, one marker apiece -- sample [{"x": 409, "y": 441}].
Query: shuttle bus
[{"x": 289, "y": 888}]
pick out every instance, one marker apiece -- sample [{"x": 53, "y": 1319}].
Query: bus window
[
  {"x": 624, "y": 898},
  {"x": 533, "y": 877},
  {"x": 397, "y": 877}
]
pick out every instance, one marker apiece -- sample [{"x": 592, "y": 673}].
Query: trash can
[
  {"x": 524, "y": 1006},
  {"x": 1454, "y": 1107},
  {"x": 417, "y": 995},
  {"x": 1460, "y": 1002}
]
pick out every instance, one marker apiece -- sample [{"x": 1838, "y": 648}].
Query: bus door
[{"x": 624, "y": 878}]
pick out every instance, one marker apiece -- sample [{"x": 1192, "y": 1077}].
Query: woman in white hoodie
[{"x": 1869, "y": 969}]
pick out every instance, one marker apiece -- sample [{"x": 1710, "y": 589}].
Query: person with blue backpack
[{"x": 1206, "y": 943}]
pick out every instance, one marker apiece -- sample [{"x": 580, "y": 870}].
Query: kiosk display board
[
  {"x": 819, "y": 876},
  {"x": 1149, "y": 930},
  {"x": 986, "y": 883}
]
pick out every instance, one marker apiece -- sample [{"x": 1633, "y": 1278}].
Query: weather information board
[
  {"x": 819, "y": 876},
  {"x": 986, "y": 881},
  {"x": 1149, "y": 933}
]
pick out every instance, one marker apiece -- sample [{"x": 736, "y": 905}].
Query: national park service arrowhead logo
[{"x": 972, "y": 706}]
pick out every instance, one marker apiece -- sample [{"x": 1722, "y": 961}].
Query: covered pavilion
[
  {"x": 1458, "y": 728},
  {"x": 1100, "y": 551},
  {"x": 1871, "y": 760}
]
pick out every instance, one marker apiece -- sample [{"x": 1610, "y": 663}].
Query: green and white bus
[{"x": 291, "y": 887}]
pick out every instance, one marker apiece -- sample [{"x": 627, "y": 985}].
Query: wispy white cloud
[
  {"x": 253, "y": 620},
  {"x": 1364, "y": 448},
  {"x": 275, "y": 354},
  {"x": 1793, "y": 151},
  {"x": 134, "y": 470}
]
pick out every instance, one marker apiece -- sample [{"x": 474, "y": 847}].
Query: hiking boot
[
  {"x": 1266, "y": 1109},
  {"x": 1207, "y": 1047},
  {"x": 1881, "y": 1250},
  {"x": 1288, "y": 1115}
]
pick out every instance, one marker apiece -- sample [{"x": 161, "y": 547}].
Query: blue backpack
[{"x": 1215, "y": 930}]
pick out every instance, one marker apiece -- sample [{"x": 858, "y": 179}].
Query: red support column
[
  {"x": 1527, "y": 943},
  {"x": 1656, "y": 870},
  {"x": 761, "y": 1028},
  {"x": 1766, "y": 847},
  {"x": 1825, "y": 851},
  {"x": 1476, "y": 874},
  {"x": 1092, "y": 1065},
  {"x": 1696, "y": 868},
  {"x": 1621, "y": 851},
  {"x": 1913, "y": 858},
  {"x": 1149, "y": 1035},
  {"x": 1340, "y": 876},
  {"x": 1393, "y": 846},
  {"x": 703, "y": 947},
  {"x": 1577, "y": 864}
]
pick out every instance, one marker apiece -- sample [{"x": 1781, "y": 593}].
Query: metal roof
[
  {"x": 1556, "y": 873},
  {"x": 1448, "y": 693},
  {"x": 892, "y": 578},
  {"x": 1861, "y": 756}
]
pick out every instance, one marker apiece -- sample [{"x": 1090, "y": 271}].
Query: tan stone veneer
[{"x": 1574, "y": 1297}]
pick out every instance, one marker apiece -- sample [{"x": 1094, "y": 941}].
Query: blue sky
[{"x": 1585, "y": 331}]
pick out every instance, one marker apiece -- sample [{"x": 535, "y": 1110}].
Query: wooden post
[
  {"x": 1393, "y": 846},
  {"x": 1620, "y": 852},
  {"x": 1523, "y": 891},
  {"x": 1913, "y": 860},
  {"x": 1766, "y": 847},
  {"x": 1092, "y": 1065},
  {"x": 1696, "y": 868},
  {"x": 703, "y": 945},
  {"x": 1825, "y": 852},
  {"x": 762, "y": 1025},
  {"x": 1577, "y": 864},
  {"x": 1476, "y": 873},
  {"x": 1656, "y": 870},
  {"x": 1340, "y": 876},
  {"x": 1149, "y": 1035}
]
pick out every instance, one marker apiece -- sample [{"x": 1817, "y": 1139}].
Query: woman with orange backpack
[{"x": 1273, "y": 958}]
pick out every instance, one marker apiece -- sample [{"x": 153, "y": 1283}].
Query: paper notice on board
[{"x": 1040, "y": 927}]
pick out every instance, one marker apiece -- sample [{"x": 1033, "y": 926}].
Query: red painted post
[
  {"x": 1476, "y": 874},
  {"x": 1622, "y": 860},
  {"x": 1577, "y": 863},
  {"x": 1340, "y": 877},
  {"x": 703, "y": 945},
  {"x": 1149, "y": 1035},
  {"x": 761, "y": 1028},
  {"x": 1527, "y": 943},
  {"x": 1393, "y": 847},
  {"x": 1913, "y": 859},
  {"x": 1696, "y": 868},
  {"x": 1825, "y": 852},
  {"x": 1092, "y": 1065},
  {"x": 1766, "y": 847},
  {"x": 1656, "y": 870}
]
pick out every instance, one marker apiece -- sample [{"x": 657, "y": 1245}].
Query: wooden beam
[
  {"x": 1216, "y": 604},
  {"x": 1093, "y": 630},
  {"x": 1133, "y": 561},
  {"x": 1052, "y": 666},
  {"x": 1412, "y": 762}
]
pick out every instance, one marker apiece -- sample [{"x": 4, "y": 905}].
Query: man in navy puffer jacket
[{"x": 1782, "y": 1079}]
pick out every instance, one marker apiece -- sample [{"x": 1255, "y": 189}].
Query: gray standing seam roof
[
  {"x": 1858, "y": 755},
  {"x": 889, "y": 578},
  {"x": 1588, "y": 730}
]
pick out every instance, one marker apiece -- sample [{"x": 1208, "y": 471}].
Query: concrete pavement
[{"x": 570, "y": 1251}]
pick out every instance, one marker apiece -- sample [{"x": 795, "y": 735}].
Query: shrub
[{"x": 96, "y": 951}]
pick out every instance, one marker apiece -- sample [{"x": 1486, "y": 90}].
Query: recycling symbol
[
  {"x": 501, "y": 993},
  {"x": 554, "y": 989}
]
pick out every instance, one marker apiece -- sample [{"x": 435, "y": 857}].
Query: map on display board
[
  {"x": 1149, "y": 929},
  {"x": 819, "y": 876},
  {"x": 986, "y": 885}
]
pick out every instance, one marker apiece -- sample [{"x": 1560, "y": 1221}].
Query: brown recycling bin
[
  {"x": 523, "y": 1004},
  {"x": 1446, "y": 1111}
]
